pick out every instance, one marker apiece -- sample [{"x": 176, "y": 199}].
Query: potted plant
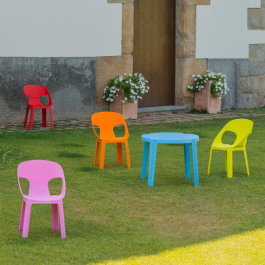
[
  {"x": 208, "y": 91},
  {"x": 124, "y": 92}
]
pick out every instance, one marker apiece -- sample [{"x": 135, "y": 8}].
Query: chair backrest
[
  {"x": 241, "y": 127},
  {"x": 34, "y": 92},
  {"x": 39, "y": 173},
  {"x": 106, "y": 121}
]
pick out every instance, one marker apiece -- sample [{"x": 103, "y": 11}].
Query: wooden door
[{"x": 154, "y": 49}]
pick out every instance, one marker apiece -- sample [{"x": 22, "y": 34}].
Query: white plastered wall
[
  {"x": 221, "y": 29},
  {"x": 60, "y": 28}
]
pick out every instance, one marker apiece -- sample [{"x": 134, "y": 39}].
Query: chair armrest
[
  {"x": 20, "y": 186},
  {"x": 50, "y": 99},
  {"x": 95, "y": 132}
]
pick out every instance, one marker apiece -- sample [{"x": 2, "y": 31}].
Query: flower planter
[
  {"x": 205, "y": 101},
  {"x": 127, "y": 110}
]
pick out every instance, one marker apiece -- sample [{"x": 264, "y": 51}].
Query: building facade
[{"x": 75, "y": 47}]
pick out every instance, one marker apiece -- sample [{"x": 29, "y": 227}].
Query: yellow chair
[{"x": 242, "y": 128}]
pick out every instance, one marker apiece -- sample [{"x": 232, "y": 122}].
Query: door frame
[{"x": 185, "y": 62}]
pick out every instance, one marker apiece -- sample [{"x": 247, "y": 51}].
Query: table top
[{"x": 169, "y": 137}]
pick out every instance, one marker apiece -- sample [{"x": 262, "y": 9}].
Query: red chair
[{"x": 34, "y": 92}]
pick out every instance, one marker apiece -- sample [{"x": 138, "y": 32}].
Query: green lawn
[{"x": 113, "y": 217}]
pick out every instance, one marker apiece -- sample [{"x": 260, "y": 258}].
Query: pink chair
[
  {"x": 39, "y": 173},
  {"x": 34, "y": 92}
]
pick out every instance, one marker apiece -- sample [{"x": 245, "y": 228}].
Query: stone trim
[
  {"x": 256, "y": 21},
  {"x": 186, "y": 64},
  {"x": 193, "y": 2},
  {"x": 257, "y": 51},
  {"x": 120, "y": 1},
  {"x": 127, "y": 28},
  {"x": 109, "y": 67}
]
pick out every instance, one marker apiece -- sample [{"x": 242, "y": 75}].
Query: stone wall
[{"x": 71, "y": 82}]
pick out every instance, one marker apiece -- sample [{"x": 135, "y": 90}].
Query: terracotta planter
[
  {"x": 127, "y": 110},
  {"x": 205, "y": 101}
]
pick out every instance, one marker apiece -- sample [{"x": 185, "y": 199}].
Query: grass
[{"x": 113, "y": 217}]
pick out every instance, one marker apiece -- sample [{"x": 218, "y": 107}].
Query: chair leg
[
  {"x": 26, "y": 117},
  {"x": 26, "y": 220},
  {"x": 62, "y": 223},
  {"x": 102, "y": 155},
  {"x": 31, "y": 118},
  {"x": 246, "y": 160},
  {"x": 119, "y": 153},
  {"x": 225, "y": 160},
  {"x": 96, "y": 153},
  {"x": 210, "y": 159},
  {"x": 127, "y": 154},
  {"x": 55, "y": 221},
  {"x": 51, "y": 118},
  {"x": 22, "y": 216},
  {"x": 229, "y": 163},
  {"x": 44, "y": 120}
]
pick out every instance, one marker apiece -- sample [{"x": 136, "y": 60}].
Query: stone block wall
[{"x": 71, "y": 82}]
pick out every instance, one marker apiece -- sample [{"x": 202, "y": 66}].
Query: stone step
[{"x": 164, "y": 109}]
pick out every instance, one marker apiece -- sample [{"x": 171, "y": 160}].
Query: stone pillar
[{"x": 186, "y": 64}]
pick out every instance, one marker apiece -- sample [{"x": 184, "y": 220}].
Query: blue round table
[{"x": 170, "y": 138}]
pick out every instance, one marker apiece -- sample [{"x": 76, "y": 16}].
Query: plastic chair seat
[
  {"x": 222, "y": 146},
  {"x": 242, "y": 128},
  {"x": 113, "y": 140},
  {"x": 48, "y": 199},
  {"x": 106, "y": 121},
  {"x": 40, "y": 106},
  {"x": 39, "y": 173}
]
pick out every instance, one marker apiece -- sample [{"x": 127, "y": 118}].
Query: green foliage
[
  {"x": 218, "y": 87},
  {"x": 132, "y": 87}
]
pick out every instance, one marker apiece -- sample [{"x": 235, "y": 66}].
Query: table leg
[
  {"x": 152, "y": 163},
  {"x": 145, "y": 158},
  {"x": 195, "y": 163},
  {"x": 187, "y": 160}
]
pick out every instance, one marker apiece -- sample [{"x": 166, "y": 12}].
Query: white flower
[
  {"x": 103, "y": 96},
  {"x": 193, "y": 75}
]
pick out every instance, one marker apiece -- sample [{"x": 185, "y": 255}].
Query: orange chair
[
  {"x": 34, "y": 92},
  {"x": 106, "y": 121}
]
